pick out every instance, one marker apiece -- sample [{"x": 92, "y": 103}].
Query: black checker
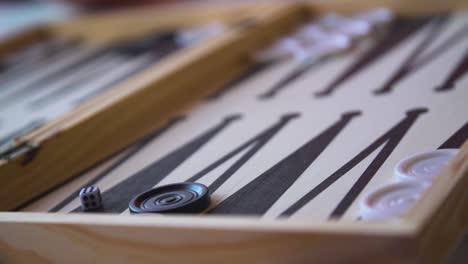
[{"x": 174, "y": 198}]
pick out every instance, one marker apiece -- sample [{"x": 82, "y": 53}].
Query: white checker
[
  {"x": 311, "y": 34},
  {"x": 190, "y": 36},
  {"x": 377, "y": 16},
  {"x": 354, "y": 28},
  {"x": 286, "y": 47},
  {"x": 335, "y": 43},
  {"x": 424, "y": 166},
  {"x": 391, "y": 201}
]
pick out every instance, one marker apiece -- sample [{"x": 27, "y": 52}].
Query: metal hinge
[{"x": 12, "y": 149}]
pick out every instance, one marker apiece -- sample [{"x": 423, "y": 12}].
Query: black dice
[{"x": 90, "y": 198}]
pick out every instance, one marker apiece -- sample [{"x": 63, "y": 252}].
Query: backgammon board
[
  {"x": 345, "y": 120},
  {"x": 288, "y": 149}
]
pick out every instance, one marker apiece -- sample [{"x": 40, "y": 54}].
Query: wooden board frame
[{"x": 424, "y": 235}]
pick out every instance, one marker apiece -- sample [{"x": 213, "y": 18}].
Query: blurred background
[{"x": 17, "y": 15}]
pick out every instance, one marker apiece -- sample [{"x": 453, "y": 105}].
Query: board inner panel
[{"x": 304, "y": 147}]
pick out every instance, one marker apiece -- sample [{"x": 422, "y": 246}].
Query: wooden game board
[{"x": 286, "y": 162}]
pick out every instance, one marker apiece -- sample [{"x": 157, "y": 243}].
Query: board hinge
[{"x": 12, "y": 149}]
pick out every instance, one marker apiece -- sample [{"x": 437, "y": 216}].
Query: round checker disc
[
  {"x": 424, "y": 166},
  {"x": 173, "y": 198},
  {"x": 352, "y": 27},
  {"x": 377, "y": 16},
  {"x": 286, "y": 47},
  {"x": 311, "y": 34},
  {"x": 391, "y": 201}
]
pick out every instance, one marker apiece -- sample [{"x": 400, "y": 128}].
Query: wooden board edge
[
  {"x": 79, "y": 238},
  {"x": 442, "y": 214},
  {"x": 213, "y": 222},
  {"x": 23, "y": 38},
  {"x": 102, "y": 27}
]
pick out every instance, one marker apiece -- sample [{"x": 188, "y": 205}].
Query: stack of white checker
[
  {"x": 328, "y": 35},
  {"x": 414, "y": 175}
]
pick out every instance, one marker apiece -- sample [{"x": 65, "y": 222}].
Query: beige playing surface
[{"x": 447, "y": 113}]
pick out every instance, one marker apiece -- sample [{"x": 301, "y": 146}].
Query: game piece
[
  {"x": 354, "y": 28},
  {"x": 310, "y": 57},
  {"x": 90, "y": 198},
  {"x": 330, "y": 35},
  {"x": 424, "y": 166},
  {"x": 284, "y": 48},
  {"x": 174, "y": 198},
  {"x": 390, "y": 201},
  {"x": 190, "y": 36},
  {"x": 333, "y": 44},
  {"x": 377, "y": 16},
  {"x": 311, "y": 33},
  {"x": 311, "y": 39}
]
